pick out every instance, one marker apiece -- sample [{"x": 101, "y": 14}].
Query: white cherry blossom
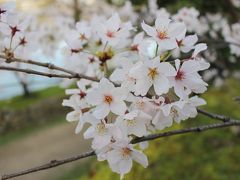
[
  {"x": 165, "y": 32},
  {"x": 153, "y": 73},
  {"x": 107, "y": 98},
  {"x": 121, "y": 157}
]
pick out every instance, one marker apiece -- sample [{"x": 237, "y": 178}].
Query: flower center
[
  {"x": 152, "y": 72},
  {"x": 126, "y": 152},
  {"x": 130, "y": 122},
  {"x": 180, "y": 75},
  {"x": 180, "y": 43},
  {"x": 101, "y": 129},
  {"x": 162, "y": 35},
  {"x": 134, "y": 47},
  {"x": 82, "y": 37},
  {"x": 110, "y": 34},
  {"x": 2, "y": 11},
  {"x": 23, "y": 41},
  {"x": 108, "y": 99},
  {"x": 14, "y": 30},
  {"x": 140, "y": 104},
  {"x": 82, "y": 94}
]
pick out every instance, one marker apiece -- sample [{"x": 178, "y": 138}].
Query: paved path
[{"x": 37, "y": 148}]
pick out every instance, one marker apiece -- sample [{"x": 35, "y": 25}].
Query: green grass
[
  {"x": 212, "y": 155},
  {"x": 23, "y": 102}
]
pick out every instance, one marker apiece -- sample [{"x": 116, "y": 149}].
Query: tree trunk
[{"x": 26, "y": 91}]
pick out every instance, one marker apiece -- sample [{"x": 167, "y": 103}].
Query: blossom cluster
[
  {"x": 15, "y": 29},
  {"x": 146, "y": 76},
  {"x": 142, "y": 89}
]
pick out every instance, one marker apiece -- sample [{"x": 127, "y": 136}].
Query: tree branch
[
  {"x": 46, "y": 65},
  {"x": 214, "y": 116},
  {"x": 54, "y": 163},
  {"x": 50, "y": 75}
]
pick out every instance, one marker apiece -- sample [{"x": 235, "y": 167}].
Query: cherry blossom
[
  {"x": 107, "y": 98},
  {"x": 165, "y": 32},
  {"x": 121, "y": 157},
  {"x": 152, "y": 72},
  {"x": 187, "y": 79}
]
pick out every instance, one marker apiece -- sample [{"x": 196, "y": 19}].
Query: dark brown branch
[
  {"x": 51, "y": 164},
  {"x": 54, "y": 163},
  {"x": 214, "y": 116},
  {"x": 187, "y": 130},
  {"x": 46, "y": 65},
  {"x": 50, "y": 75}
]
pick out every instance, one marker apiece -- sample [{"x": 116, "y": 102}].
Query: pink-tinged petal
[
  {"x": 113, "y": 23},
  {"x": 119, "y": 93},
  {"x": 167, "y": 69},
  {"x": 79, "y": 127},
  {"x": 190, "y": 66},
  {"x": 180, "y": 91},
  {"x": 73, "y": 116},
  {"x": 199, "y": 48},
  {"x": 101, "y": 111},
  {"x": 138, "y": 38},
  {"x": 196, "y": 101},
  {"x": 190, "y": 40},
  {"x": 89, "y": 133},
  {"x": 100, "y": 141},
  {"x": 186, "y": 49},
  {"x": 140, "y": 157},
  {"x": 167, "y": 44},
  {"x": 177, "y": 30},
  {"x": 4, "y": 28},
  {"x": 166, "y": 109},
  {"x": 142, "y": 87},
  {"x": 94, "y": 97},
  {"x": 105, "y": 85},
  {"x": 161, "y": 85},
  {"x": 149, "y": 30},
  {"x": 125, "y": 166},
  {"x": 139, "y": 129},
  {"x": 118, "y": 108},
  {"x": 118, "y": 75},
  {"x": 162, "y": 23},
  {"x": 114, "y": 158},
  {"x": 203, "y": 64}
]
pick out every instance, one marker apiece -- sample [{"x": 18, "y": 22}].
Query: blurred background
[{"x": 33, "y": 129}]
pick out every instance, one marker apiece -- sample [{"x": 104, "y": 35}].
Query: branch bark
[
  {"x": 226, "y": 122},
  {"x": 41, "y": 64},
  {"x": 50, "y": 75}
]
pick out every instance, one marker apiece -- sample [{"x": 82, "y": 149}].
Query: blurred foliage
[
  {"x": 208, "y": 155},
  {"x": 20, "y": 102},
  {"x": 214, "y": 6}
]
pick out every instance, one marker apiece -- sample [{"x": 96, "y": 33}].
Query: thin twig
[
  {"x": 214, "y": 116},
  {"x": 46, "y": 65},
  {"x": 54, "y": 163},
  {"x": 50, "y": 75}
]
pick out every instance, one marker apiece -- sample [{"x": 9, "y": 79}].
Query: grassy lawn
[{"x": 207, "y": 155}]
